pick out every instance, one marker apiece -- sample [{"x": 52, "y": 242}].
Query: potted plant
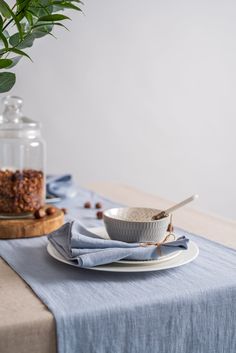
[{"x": 21, "y": 24}]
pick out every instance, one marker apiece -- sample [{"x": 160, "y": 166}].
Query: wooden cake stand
[{"x": 30, "y": 227}]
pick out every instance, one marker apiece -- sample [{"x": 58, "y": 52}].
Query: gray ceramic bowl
[{"x": 135, "y": 224}]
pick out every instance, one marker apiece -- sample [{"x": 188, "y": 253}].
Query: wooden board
[{"x": 30, "y": 227}]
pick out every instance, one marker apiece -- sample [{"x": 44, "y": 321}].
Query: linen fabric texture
[
  {"x": 80, "y": 245},
  {"x": 189, "y": 309},
  {"x": 60, "y": 186}
]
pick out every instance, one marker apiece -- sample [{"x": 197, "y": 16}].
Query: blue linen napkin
[
  {"x": 76, "y": 243},
  {"x": 61, "y": 186}
]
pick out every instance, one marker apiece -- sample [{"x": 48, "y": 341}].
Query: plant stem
[
  {"x": 6, "y": 18},
  {"x": 11, "y": 20}
]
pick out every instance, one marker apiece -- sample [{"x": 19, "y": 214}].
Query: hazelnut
[
  {"x": 98, "y": 205},
  {"x": 51, "y": 211},
  {"x": 40, "y": 213},
  {"x": 99, "y": 215},
  {"x": 87, "y": 204},
  {"x": 64, "y": 210}
]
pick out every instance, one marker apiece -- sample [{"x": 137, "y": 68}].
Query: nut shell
[
  {"x": 99, "y": 215},
  {"x": 50, "y": 211},
  {"x": 40, "y": 213},
  {"x": 98, "y": 205},
  {"x": 87, "y": 204}
]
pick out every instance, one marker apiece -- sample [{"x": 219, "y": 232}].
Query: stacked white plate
[{"x": 175, "y": 259}]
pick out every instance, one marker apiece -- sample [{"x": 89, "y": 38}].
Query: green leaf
[
  {"x": 22, "y": 4},
  {"x": 65, "y": 5},
  {"x": 39, "y": 11},
  {"x": 1, "y": 22},
  {"x": 33, "y": 13},
  {"x": 40, "y": 31},
  {"x": 52, "y": 18},
  {"x": 18, "y": 25},
  {"x": 15, "y": 61},
  {"x": 4, "y": 40},
  {"x": 5, "y": 9},
  {"x": 51, "y": 24},
  {"x": 57, "y": 8},
  {"x": 29, "y": 18},
  {"x": 5, "y": 63},
  {"x": 78, "y": 1},
  {"x": 7, "y": 81},
  {"x": 20, "y": 16},
  {"x": 19, "y": 52},
  {"x": 10, "y": 14},
  {"x": 14, "y": 39},
  {"x": 25, "y": 43}
]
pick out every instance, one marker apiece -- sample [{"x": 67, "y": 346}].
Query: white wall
[{"x": 141, "y": 92}]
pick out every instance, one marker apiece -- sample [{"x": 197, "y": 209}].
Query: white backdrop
[{"x": 141, "y": 92}]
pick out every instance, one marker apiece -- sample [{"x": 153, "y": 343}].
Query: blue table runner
[{"x": 190, "y": 309}]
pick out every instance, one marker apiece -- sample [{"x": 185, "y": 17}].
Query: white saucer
[{"x": 183, "y": 258}]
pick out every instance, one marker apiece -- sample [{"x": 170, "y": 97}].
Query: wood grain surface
[{"x": 30, "y": 227}]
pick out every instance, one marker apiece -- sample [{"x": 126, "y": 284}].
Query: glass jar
[{"x": 22, "y": 162}]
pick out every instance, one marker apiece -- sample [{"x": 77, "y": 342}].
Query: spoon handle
[{"x": 181, "y": 204}]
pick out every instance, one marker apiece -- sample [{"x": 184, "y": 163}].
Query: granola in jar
[{"x": 21, "y": 191}]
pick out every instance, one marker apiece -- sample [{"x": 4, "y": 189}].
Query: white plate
[
  {"x": 101, "y": 232},
  {"x": 183, "y": 258}
]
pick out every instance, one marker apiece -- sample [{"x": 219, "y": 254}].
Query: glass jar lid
[{"x": 12, "y": 122}]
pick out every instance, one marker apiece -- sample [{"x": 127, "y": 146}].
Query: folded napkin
[
  {"x": 76, "y": 243},
  {"x": 61, "y": 186}
]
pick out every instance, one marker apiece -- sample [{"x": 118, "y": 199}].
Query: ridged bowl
[{"x": 135, "y": 224}]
